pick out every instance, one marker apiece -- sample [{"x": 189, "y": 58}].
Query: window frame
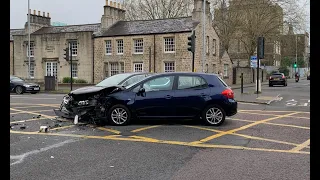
[
  {"x": 120, "y": 68},
  {"x": 120, "y": 47},
  {"x": 137, "y": 63},
  {"x": 225, "y": 65},
  {"x": 205, "y": 86},
  {"x": 32, "y": 64},
  {"x": 214, "y": 47},
  {"x": 73, "y": 43},
  {"x": 76, "y": 71},
  {"x": 164, "y": 66},
  {"x": 108, "y": 42},
  {"x": 135, "y": 42},
  {"x": 166, "y": 45},
  {"x": 32, "y": 48}
]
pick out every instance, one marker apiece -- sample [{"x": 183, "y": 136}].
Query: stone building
[
  {"x": 241, "y": 20},
  {"x": 117, "y": 46},
  {"x": 295, "y": 46}
]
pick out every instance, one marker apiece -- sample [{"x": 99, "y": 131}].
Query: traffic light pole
[
  {"x": 193, "y": 62},
  {"x": 70, "y": 53}
]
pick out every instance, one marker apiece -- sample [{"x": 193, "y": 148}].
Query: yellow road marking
[
  {"x": 30, "y": 111},
  {"x": 269, "y": 123},
  {"x": 161, "y": 142},
  {"x": 301, "y": 146},
  {"x": 27, "y": 120},
  {"x": 271, "y": 111},
  {"x": 246, "y": 136},
  {"x": 146, "y": 138},
  {"x": 242, "y": 128},
  {"x": 144, "y": 128},
  {"x": 109, "y": 130},
  {"x": 274, "y": 115},
  {"x": 25, "y": 107}
]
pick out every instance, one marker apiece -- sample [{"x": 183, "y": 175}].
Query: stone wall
[
  {"x": 249, "y": 75},
  {"x": 11, "y": 57}
]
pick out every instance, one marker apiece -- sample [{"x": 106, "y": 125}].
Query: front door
[
  {"x": 191, "y": 95},
  {"x": 157, "y": 99},
  {"x": 52, "y": 69}
]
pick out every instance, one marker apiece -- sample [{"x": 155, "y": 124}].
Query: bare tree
[{"x": 157, "y": 9}]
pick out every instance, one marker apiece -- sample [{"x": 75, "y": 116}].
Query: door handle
[
  {"x": 168, "y": 96},
  {"x": 203, "y": 95}
]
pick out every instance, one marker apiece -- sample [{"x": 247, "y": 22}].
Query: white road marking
[
  {"x": 30, "y": 98},
  {"x": 21, "y": 157}
]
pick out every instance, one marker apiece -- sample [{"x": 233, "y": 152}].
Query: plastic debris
[
  {"x": 76, "y": 118},
  {"x": 44, "y": 129},
  {"x": 111, "y": 166},
  {"x": 23, "y": 127},
  {"x": 39, "y": 116},
  {"x": 51, "y": 157}
]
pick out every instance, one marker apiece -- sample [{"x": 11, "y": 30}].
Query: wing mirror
[{"x": 141, "y": 90}]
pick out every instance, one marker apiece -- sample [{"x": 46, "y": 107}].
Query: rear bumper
[
  {"x": 231, "y": 107},
  {"x": 277, "y": 81}
]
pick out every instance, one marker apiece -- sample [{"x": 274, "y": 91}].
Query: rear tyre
[
  {"x": 285, "y": 84},
  {"x": 33, "y": 93},
  {"x": 213, "y": 115},
  {"x": 19, "y": 90},
  {"x": 119, "y": 115},
  {"x": 270, "y": 85}
]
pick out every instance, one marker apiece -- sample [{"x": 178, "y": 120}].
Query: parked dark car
[
  {"x": 165, "y": 95},
  {"x": 19, "y": 86},
  {"x": 277, "y": 79}
]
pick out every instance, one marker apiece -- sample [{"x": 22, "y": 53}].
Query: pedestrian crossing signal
[{"x": 295, "y": 65}]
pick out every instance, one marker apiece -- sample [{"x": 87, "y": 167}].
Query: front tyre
[
  {"x": 213, "y": 115},
  {"x": 119, "y": 115},
  {"x": 19, "y": 90}
]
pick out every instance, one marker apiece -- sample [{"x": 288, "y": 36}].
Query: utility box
[{"x": 49, "y": 83}]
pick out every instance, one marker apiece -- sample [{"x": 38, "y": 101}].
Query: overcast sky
[{"x": 65, "y": 11}]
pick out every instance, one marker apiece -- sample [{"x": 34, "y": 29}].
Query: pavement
[{"x": 259, "y": 142}]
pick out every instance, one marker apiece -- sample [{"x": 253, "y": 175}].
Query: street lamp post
[
  {"x": 204, "y": 34},
  {"x": 29, "y": 11}
]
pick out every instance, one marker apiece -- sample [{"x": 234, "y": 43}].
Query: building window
[
  {"x": 31, "y": 49},
  {"x": 108, "y": 47},
  {"x": 214, "y": 47},
  {"x": 169, "y": 67},
  {"x": 138, "y": 67},
  {"x": 116, "y": 68},
  {"x": 74, "y": 70},
  {"x": 74, "y": 48},
  {"x": 207, "y": 45},
  {"x": 120, "y": 46},
  {"x": 169, "y": 44},
  {"x": 31, "y": 69},
  {"x": 225, "y": 70},
  {"x": 138, "y": 46},
  {"x": 51, "y": 69}
]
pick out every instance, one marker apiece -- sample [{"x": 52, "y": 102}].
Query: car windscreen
[
  {"x": 113, "y": 80},
  {"x": 276, "y": 74},
  {"x": 134, "y": 79},
  {"x": 16, "y": 79}
]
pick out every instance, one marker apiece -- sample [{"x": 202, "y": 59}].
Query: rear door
[{"x": 191, "y": 95}]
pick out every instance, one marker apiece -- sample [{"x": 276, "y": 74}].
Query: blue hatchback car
[
  {"x": 166, "y": 95},
  {"x": 174, "y": 95}
]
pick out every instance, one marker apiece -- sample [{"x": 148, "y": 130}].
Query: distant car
[
  {"x": 160, "y": 96},
  {"x": 277, "y": 79},
  {"x": 19, "y": 86}
]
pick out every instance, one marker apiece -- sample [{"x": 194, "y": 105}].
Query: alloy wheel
[
  {"x": 119, "y": 116},
  {"x": 214, "y": 116},
  {"x": 19, "y": 90}
]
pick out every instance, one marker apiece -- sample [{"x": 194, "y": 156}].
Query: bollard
[{"x": 241, "y": 83}]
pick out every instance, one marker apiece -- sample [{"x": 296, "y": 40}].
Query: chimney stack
[
  {"x": 44, "y": 14},
  {"x": 34, "y": 12},
  {"x": 39, "y": 13},
  {"x": 198, "y": 11},
  {"x": 112, "y": 14},
  {"x": 48, "y": 15}
]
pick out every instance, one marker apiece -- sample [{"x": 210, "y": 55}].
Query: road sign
[{"x": 253, "y": 62}]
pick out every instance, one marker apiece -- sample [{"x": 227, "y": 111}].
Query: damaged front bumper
[{"x": 67, "y": 115}]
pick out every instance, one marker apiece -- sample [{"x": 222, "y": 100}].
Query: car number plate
[
  {"x": 36, "y": 88},
  {"x": 276, "y": 78}
]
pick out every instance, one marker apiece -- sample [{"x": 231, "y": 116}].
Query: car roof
[{"x": 187, "y": 73}]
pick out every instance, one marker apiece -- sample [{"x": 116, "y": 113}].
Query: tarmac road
[{"x": 260, "y": 142}]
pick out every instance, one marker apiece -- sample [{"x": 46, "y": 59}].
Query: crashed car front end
[{"x": 87, "y": 104}]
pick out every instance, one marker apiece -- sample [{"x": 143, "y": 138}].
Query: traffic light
[
  {"x": 191, "y": 42},
  {"x": 295, "y": 65},
  {"x": 66, "y": 54}
]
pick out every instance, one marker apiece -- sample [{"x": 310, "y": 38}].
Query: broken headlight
[{"x": 66, "y": 99}]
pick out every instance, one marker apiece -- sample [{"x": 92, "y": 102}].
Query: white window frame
[
  {"x": 136, "y": 67},
  {"x": 74, "y": 48},
  {"x": 120, "y": 47},
  {"x": 137, "y": 44},
  {"x": 108, "y": 46},
  {"x": 169, "y": 45},
  {"x": 169, "y": 63},
  {"x": 31, "y": 49},
  {"x": 75, "y": 71},
  {"x": 119, "y": 68},
  {"x": 52, "y": 73},
  {"x": 225, "y": 71}
]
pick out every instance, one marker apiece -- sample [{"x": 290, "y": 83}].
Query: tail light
[
  {"x": 228, "y": 93},
  {"x": 270, "y": 77},
  {"x": 283, "y": 77}
]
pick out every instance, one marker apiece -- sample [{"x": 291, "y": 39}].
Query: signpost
[{"x": 259, "y": 56}]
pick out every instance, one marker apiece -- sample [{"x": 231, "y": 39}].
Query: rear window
[
  {"x": 218, "y": 82},
  {"x": 277, "y": 74}
]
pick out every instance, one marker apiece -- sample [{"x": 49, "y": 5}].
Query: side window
[
  {"x": 133, "y": 79},
  {"x": 159, "y": 84},
  {"x": 190, "y": 82}
]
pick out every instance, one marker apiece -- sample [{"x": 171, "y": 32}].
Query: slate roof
[
  {"x": 16, "y": 32},
  {"x": 142, "y": 27},
  {"x": 69, "y": 29}
]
